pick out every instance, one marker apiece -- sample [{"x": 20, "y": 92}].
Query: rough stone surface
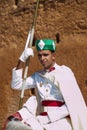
[{"x": 66, "y": 17}]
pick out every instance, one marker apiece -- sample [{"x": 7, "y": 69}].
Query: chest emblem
[{"x": 41, "y": 84}]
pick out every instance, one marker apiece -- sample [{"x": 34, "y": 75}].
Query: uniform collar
[{"x": 51, "y": 69}]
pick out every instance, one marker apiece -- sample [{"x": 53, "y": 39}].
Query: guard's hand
[{"x": 26, "y": 53}]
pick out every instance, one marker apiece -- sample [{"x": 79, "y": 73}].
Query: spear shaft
[{"x": 28, "y": 44}]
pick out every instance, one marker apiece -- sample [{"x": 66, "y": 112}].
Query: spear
[{"x": 29, "y": 43}]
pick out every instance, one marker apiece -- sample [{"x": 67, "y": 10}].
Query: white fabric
[
  {"x": 57, "y": 113},
  {"x": 43, "y": 119},
  {"x": 75, "y": 103},
  {"x": 26, "y": 53},
  {"x": 62, "y": 124},
  {"x": 28, "y": 113},
  {"x": 16, "y": 76},
  {"x": 29, "y": 108},
  {"x": 64, "y": 88},
  {"x": 30, "y": 119},
  {"x": 35, "y": 125},
  {"x": 31, "y": 105}
]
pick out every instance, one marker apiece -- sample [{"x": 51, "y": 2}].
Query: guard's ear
[{"x": 54, "y": 55}]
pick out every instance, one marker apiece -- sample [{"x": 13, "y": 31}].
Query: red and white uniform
[{"x": 60, "y": 97}]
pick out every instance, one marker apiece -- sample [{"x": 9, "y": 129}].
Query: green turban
[{"x": 45, "y": 44}]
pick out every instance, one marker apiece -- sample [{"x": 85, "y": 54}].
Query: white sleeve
[
  {"x": 17, "y": 80},
  {"x": 31, "y": 105},
  {"x": 57, "y": 113}
]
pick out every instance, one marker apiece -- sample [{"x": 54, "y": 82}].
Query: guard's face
[{"x": 46, "y": 58}]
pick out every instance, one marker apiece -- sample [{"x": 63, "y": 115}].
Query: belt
[{"x": 52, "y": 103}]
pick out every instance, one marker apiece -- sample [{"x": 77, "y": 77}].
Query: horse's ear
[
  {"x": 34, "y": 40},
  {"x": 57, "y": 37},
  {"x": 16, "y": 2}
]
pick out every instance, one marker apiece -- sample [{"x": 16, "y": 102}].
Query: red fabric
[
  {"x": 52, "y": 103},
  {"x": 43, "y": 114},
  {"x": 18, "y": 116},
  {"x": 51, "y": 69}
]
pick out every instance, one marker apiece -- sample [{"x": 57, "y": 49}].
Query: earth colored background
[{"x": 66, "y": 17}]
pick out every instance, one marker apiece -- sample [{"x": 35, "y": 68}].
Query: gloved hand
[{"x": 26, "y": 53}]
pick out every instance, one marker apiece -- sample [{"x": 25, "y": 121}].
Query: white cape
[
  {"x": 73, "y": 98},
  {"x": 76, "y": 106}
]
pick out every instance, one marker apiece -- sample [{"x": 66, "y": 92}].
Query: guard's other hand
[{"x": 26, "y": 53}]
